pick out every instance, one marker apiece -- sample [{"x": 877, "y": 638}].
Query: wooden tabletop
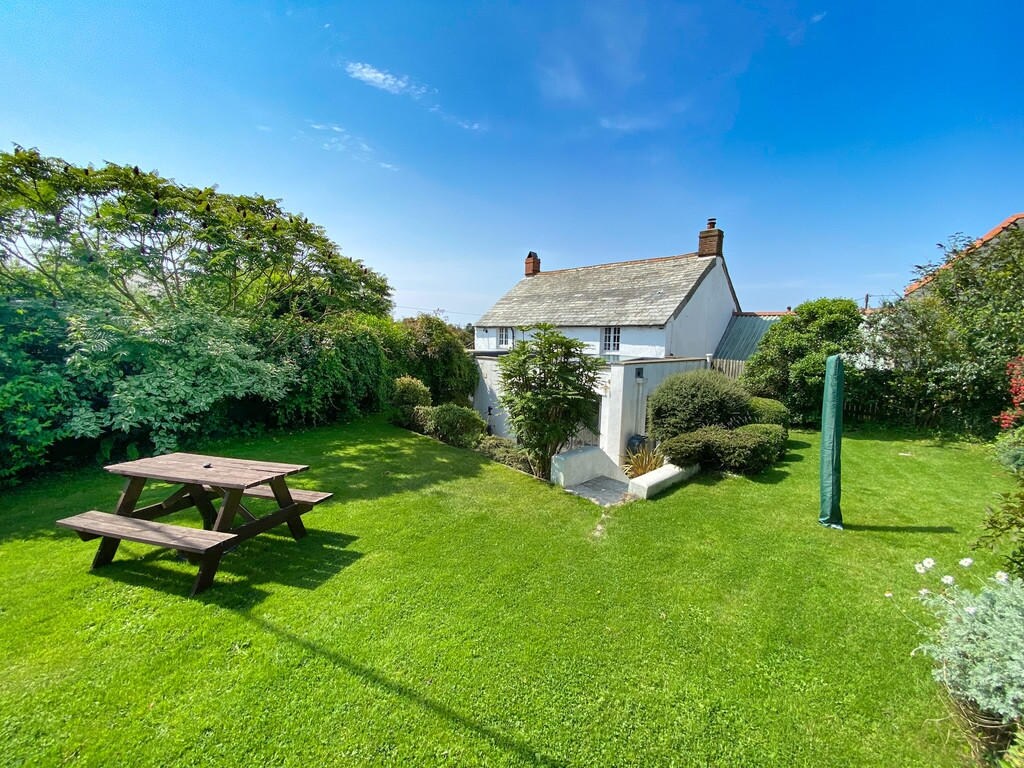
[{"x": 206, "y": 470}]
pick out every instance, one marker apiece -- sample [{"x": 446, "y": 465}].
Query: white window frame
[
  {"x": 611, "y": 338},
  {"x": 506, "y": 336}
]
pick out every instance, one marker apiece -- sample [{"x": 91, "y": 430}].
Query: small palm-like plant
[{"x": 643, "y": 460}]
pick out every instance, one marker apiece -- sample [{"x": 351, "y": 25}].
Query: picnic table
[{"x": 202, "y": 480}]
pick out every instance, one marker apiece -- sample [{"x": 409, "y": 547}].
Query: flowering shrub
[
  {"x": 979, "y": 647},
  {"x": 1010, "y": 417}
]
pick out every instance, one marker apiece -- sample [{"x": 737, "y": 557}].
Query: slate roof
[
  {"x": 744, "y": 333},
  {"x": 626, "y": 293}
]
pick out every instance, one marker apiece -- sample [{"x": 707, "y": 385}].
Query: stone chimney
[
  {"x": 532, "y": 264},
  {"x": 710, "y": 242}
]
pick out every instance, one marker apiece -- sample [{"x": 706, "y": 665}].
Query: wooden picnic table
[{"x": 202, "y": 479}]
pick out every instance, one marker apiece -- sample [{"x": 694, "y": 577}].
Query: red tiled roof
[{"x": 1008, "y": 222}]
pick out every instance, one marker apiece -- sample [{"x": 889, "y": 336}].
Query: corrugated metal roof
[
  {"x": 644, "y": 293},
  {"x": 743, "y": 334}
]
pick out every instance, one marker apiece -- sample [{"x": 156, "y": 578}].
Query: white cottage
[{"x": 648, "y": 319}]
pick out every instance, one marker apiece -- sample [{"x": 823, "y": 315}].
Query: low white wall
[
  {"x": 578, "y": 466},
  {"x": 646, "y": 486}
]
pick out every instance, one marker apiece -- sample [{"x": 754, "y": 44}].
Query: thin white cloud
[
  {"x": 818, "y": 17},
  {"x": 264, "y": 128},
  {"x": 335, "y": 138},
  {"x": 560, "y": 81},
  {"x": 388, "y": 166},
  {"x": 400, "y": 85},
  {"x": 403, "y": 85}
]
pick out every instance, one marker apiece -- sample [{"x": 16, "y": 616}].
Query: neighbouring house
[
  {"x": 1016, "y": 221},
  {"x": 647, "y": 319}
]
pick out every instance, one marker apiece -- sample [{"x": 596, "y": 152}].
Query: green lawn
[{"x": 447, "y": 610}]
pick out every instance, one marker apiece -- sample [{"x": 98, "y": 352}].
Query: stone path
[{"x": 602, "y": 491}]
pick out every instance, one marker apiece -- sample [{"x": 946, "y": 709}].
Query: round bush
[
  {"x": 409, "y": 393},
  {"x": 702, "y": 446},
  {"x": 422, "y": 419},
  {"x": 764, "y": 410},
  {"x": 688, "y": 401},
  {"x": 504, "y": 451},
  {"x": 456, "y": 425},
  {"x": 748, "y": 451},
  {"x": 775, "y": 434}
]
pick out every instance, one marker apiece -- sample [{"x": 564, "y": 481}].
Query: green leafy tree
[
  {"x": 438, "y": 358},
  {"x": 943, "y": 351},
  {"x": 789, "y": 364},
  {"x": 548, "y": 392},
  {"x": 136, "y": 240}
]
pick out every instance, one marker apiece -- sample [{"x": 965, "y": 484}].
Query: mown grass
[{"x": 447, "y": 610}]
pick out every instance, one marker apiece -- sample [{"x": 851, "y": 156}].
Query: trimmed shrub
[
  {"x": 455, "y": 425},
  {"x": 749, "y": 451},
  {"x": 504, "y": 451},
  {"x": 776, "y": 434},
  {"x": 702, "y": 446},
  {"x": 764, "y": 410},
  {"x": 1010, "y": 449},
  {"x": 422, "y": 419},
  {"x": 688, "y": 401},
  {"x": 408, "y": 395}
]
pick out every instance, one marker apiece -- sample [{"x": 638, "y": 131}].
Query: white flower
[
  {"x": 947, "y": 580},
  {"x": 966, "y": 562},
  {"x": 919, "y": 567},
  {"x": 923, "y": 592},
  {"x": 1002, "y": 577},
  {"x": 888, "y": 594},
  {"x": 928, "y": 563},
  {"x": 970, "y": 609}
]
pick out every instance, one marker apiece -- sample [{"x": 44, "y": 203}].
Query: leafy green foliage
[
  {"x": 764, "y": 410},
  {"x": 701, "y": 446},
  {"x": 548, "y": 393},
  {"x": 136, "y": 240},
  {"x": 438, "y": 358},
  {"x": 746, "y": 450},
  {"x": 789, "y": 364},
  {"x": 454, "y": 424},
  {"x": 1004, "y": 527},
  {"x": 1009, "y": 447},
  {"x": 34, "y": 391},
  {"x": 504, "y": 451},
  {"x": 979, "y": 645},
  {"x": 944, "y": 349},
  {"x": 408, "y": 393},
  {"x": 687, "y": 401},
  {"x": 159, "y": 379}
]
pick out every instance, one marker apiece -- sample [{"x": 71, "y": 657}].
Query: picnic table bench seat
[
  {"x": 93, "y": 524},
  {"x": 298, "y": 494}
]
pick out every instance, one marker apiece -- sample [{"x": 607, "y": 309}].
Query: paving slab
[{"x": 603, "y": 491}]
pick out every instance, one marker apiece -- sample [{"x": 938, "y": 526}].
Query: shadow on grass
[
  {"x": 372, "y": 677},
  {"x": 268, "y": 559},
  {"x": 368, "y": 459},
  {"x": 900, "y": 528}
]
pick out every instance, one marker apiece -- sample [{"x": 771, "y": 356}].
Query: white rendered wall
[
  {"x": 696, "y": 331},
  {"x": 487, "y": 390},
  {"x": 647, "y": 341}
]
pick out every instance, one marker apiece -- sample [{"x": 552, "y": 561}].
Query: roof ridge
[
  {"x": 621, "y": 263},
  {"x": 997, "y": 230},
  {"x": 771, "y": 313}
]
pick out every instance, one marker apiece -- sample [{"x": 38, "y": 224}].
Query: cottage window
[
  {"x": 504, "y": 337},
  {"x": 610, "y": 339}
]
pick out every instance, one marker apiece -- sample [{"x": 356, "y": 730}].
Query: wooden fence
[{"x": 731, "y": 368}]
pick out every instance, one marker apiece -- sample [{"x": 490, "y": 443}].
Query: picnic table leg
[
  {"x": 202, "y": 502},
  {"x": 208, "y": 566},
  {"x": 284, "y": 499},
  {"x": 125, "y": 505}
]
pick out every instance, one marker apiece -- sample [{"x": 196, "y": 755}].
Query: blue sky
[{"x": 836, "y": 143}]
